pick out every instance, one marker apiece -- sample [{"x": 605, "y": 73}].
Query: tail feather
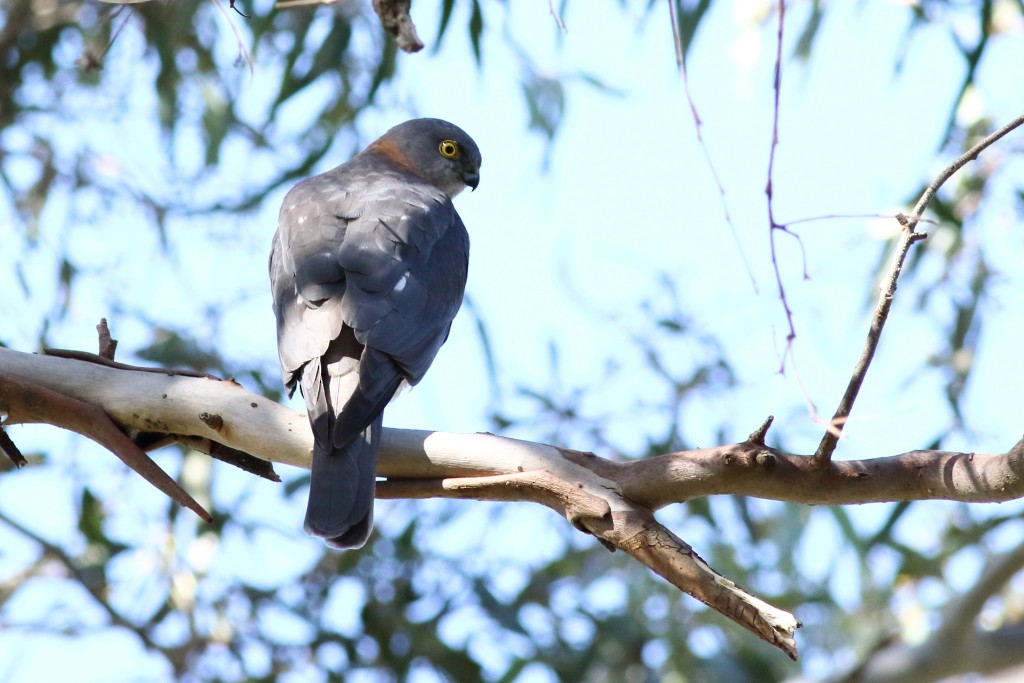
[
  {"x": 359, "y": 405},
  {"x": 340, "y": 508},
  {"x": 345, "y": 393}
]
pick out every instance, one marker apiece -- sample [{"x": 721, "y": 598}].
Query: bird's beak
[{"x": 471, "y": 179}]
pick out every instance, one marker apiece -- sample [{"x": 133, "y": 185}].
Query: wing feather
[{"x": 368, "y": 269}]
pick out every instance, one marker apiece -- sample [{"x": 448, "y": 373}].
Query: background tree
[{"x": 142, "y": 177}]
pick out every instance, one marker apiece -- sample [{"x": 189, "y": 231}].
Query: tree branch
[
  {"x": 769, "y": 190},
  {"x": 395, "y": 18},
  {"x": 24, "y": 401},
  {"x": 752, "y": 470},
  {"x": 483, "y": 466},
  {"x": 614, "y": 501},
  {"x": 909, "y": 236}
]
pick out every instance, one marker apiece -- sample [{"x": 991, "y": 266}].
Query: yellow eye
[{"x": 448, "y": 149}]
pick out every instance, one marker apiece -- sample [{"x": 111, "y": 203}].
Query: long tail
[
  {"x": 341, "y": 489},
  {"x": 346, "y": 392}
]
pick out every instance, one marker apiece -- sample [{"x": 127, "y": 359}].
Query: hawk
[{"x": 367, "y": 271}]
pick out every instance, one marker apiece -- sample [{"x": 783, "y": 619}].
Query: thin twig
[
  {"x": 102, "y": 360},
  {"x": 962, "y": 160},
  {"x": 89, "y": 61},
  {"x": 823, "y": 455},
  {"x": 557, "y": 17},
  {"x": 697, "y": 125},
  {"x": 677, "y": 40},
  {"x": 292, "y": 4},
  {"x": 232, "y": 456},
  {"x": 844, "y": 216},
  {"x": 835, "y": 427},
  {"x": 243, "y": 53},
  {"x": 773, "y": 225},
  {"x": 231, "y": 4}
]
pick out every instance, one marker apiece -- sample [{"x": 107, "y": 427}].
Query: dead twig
[
  {"x": 394, "y": 17},
  {"x": 846, "y": 216},
  {"x": 908, "y": 237},
  {"x": 557, "y": 17},
  {"x": 108, "y": 345},
  {"x": 103, "y": 360},
  {"x": 759, "y": 434},
  {"x": 243, "y": 52},
  {"x": 674, "y": 560},
  {"x": 698, "y": 124},
  {"x": 231, "y": 5},
  {"x": 769, "y": 190}
]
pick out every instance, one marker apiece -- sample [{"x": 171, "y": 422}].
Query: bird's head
[{"x": 438, "y": 151}]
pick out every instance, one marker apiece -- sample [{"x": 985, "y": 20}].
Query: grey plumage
[{"x": 368, "y": 268}]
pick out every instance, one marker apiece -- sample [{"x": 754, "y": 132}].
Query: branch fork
[
  {"x": 908, "y": 238},
  {"x": 583, "y": 488},
  {"x": 105, "y": 401},
  {"x": 596, "y": 496},
  {"x": 614, "y": 501}
]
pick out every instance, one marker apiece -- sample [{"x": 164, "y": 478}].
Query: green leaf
[
  {"x": 90, "y": 518},
  {"x": 476, "y": 30},
  {"x": 689, "y": 21},
  {"x": 805, "y": 42},
  {"x": 170, "y": 348},
  {"x": 545, "y": 102},
  {"x": 446, "y": 14}
]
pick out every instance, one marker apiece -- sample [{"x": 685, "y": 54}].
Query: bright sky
[{"x": 626, "y": 197}]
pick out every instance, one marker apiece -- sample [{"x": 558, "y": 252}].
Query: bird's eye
[{"x": 449, "y": 149}]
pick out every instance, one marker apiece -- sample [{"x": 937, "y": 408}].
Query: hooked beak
[{"x": 471, "y": 179}]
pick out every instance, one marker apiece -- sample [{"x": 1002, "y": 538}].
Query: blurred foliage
[{"x": 581, "y": 615}]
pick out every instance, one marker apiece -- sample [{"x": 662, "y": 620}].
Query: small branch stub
[
  {"x": 212, "y": 420},
  {"x": 759, "y": 434},
  {"x": 108, "y": 345},
  {"x": 394, "y": 17}
]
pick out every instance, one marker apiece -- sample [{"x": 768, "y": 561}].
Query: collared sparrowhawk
[{"x": 368, "y": 268}]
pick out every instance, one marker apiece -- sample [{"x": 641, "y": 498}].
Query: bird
[{"x": 368, "y": 268}]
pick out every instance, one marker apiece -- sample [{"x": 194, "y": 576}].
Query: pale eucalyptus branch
[{"x": 614, "y": 501}]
